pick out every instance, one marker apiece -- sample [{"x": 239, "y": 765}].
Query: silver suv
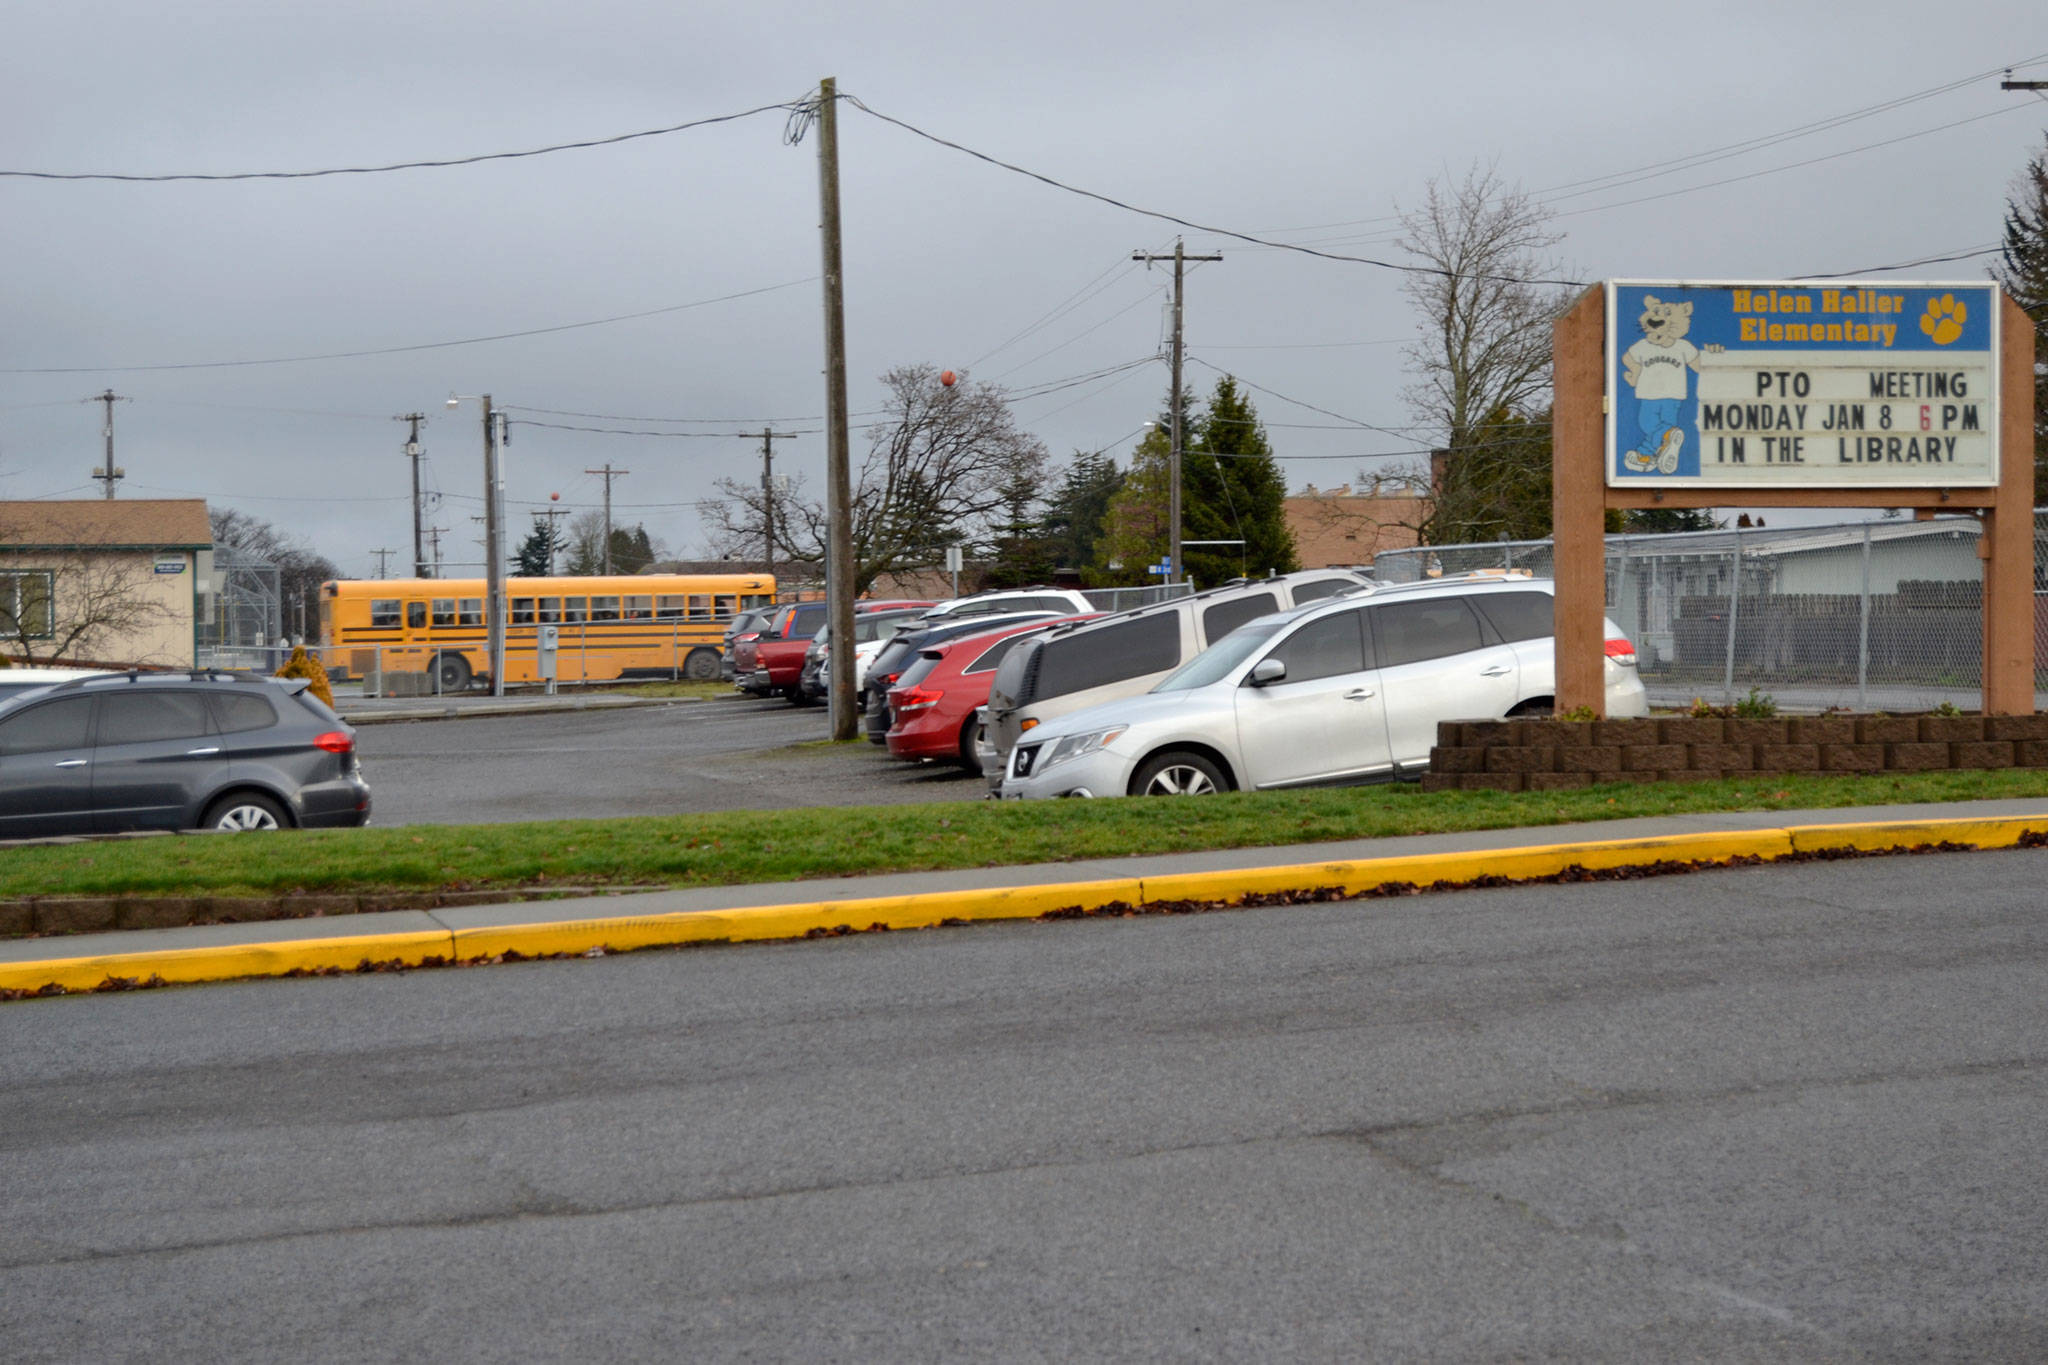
[
  {"x": 1342, "y": 691},
  {"x": 1124, "y": 654},
  {"x": 175, "y": 751}
]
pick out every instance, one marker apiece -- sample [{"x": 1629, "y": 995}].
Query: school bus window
[
  {"x": 639, "y": 608},
  {"x": 700, "y": 606},
  {"x": 670, "y": 606},
  {"x": 753, "y": 600},
  {"x": 383, "y": 613},
  {"x": 725, "y": 604},
  {"x": 472, "y": 611},
  {"x": 550, "y": 609},
  {"x": 415, "y": 616},
  {"x": 444, "y": 611},
  {"x": 573, "y": 609},
  {"x": 604, "y": 608},
  {"x": 522, "y": 611}
]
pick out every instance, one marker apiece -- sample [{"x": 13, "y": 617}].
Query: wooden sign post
[{"x": 1795, "y": 395}]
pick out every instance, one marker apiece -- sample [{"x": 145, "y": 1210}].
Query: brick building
[{"x": 1343, "y": 526}]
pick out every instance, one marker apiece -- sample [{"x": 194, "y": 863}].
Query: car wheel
[
  {"x": 451, "y": 672},
  {"x": 1532, "y": 709},
  {"x": 702, "y": 665},
  {"x": 970, "y": 737},
  {"x": 795, "y": 694},
  {"x": 243, "y": 812},
  {"x": 1178, "y": 774}
]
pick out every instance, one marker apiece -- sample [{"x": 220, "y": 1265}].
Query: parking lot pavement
[{"x": 469, "y": 705}]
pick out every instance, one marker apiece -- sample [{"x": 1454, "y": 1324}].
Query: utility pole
[
  {"x": 609, "y": 474},
  {"x": 434, "y": 534},
  {"x": 383, "y": 561},
  {"x": 494, "y": 550},
  {"x": 768, "y": 439},
  {"x": 838, "y": 460},
  {"x": 2010, "y": 84},
  {"x": 1180, "y": 258},
  {"x": 412, "y": 450},
  {"x": 109, "y": 473}
]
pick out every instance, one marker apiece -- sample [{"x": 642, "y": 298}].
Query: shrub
[{"x": 301, "y": 665}]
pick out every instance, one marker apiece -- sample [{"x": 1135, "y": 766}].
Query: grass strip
[{"x": 733, "y": 847}]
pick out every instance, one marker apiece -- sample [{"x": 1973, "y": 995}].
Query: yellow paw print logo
[{"x": 1943, "y": 320}]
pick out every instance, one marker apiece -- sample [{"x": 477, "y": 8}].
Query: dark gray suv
[{"x": 175, "y": 751}]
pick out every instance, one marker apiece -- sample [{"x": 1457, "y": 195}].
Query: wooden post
[
  {"x": 1578, "y": 501},
  {"x": 2007, "y": 543}
]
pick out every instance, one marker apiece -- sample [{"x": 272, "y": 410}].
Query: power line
[
  {"x": 420, "y": 346},
  {"x": 1185, "y": 222},
  {"x": 398, "y": 165}
]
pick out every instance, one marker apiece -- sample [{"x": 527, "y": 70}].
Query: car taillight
[
  {"x": 1622, "y": 652},
  {"x": 888, "y": 678},
  {"x": 914, "y": 699},
  {"x": 336, "y": 742}
]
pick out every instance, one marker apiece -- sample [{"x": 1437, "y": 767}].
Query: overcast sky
[{"x": 1302, "y": 122}]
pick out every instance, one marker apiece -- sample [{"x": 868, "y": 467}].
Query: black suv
[{"x": 175, "y": 751}]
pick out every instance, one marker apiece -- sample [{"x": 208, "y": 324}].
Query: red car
[{"x": 933, "y": 703}]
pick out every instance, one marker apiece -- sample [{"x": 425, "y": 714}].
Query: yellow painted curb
[
  {"x": 789, "y": 921},
  {"x": 796, "y": 919},
  {"x": 222, "y": 963}
]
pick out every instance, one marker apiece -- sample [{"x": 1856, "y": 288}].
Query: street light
[{"x": 494, "y": 541}]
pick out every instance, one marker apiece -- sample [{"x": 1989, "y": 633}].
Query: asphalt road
[
  {"x": 1792, "y": 1113},
  {"x": 735, "y": 754}
]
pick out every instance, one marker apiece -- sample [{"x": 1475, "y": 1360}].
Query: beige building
[
  {"x": 1343, "y": 526},
  {"x": 104, "y": 582}
]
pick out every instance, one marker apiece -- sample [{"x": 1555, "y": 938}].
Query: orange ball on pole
[{"x": 948, "y": 378}]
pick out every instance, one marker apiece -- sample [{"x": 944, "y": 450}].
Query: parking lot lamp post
[{"x": 494, "y": 542}]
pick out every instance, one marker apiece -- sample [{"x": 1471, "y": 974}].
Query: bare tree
[
  {"x": 300, "y": 570},
  {"x": 935, "y": 475},
  {"x": 80, "y": 606},
  {"x": 1482, "y": 364}
]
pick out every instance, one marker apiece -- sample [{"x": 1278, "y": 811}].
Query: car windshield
[{"x": 1216, "y": 661}]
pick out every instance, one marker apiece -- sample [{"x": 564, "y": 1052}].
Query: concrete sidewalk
[
  {"x": 926, "y": 899},
  {"x": 377, "y": 710}
]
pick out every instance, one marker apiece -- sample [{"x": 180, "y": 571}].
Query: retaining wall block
[
  {"x": 1788, "y": 758},
  {"x": 1631, "y": 779},
  {"x": 161, "y": 912},
  {"x": 1887, "y": 730},
  {"x": 1559, "y": 734},
  {"x": 1692, "y": 730},
  {"x": 2030, "y": 753},
  {"x": 1642, "y": 758},
  {"x": 16, "y": 918},
  {"x": 1641, "y": 730},
  {"x": 1725, "y": 757},
  {"x": 1517, "y": 758},
  {"x": 1457, "y": 760},
  {"x": 1550, "y": 782},
  {"x": 1821, "y": 730},
  {"x": 1951, "y": 729},
  {"x": 1852, "y": 758},
  {"x": 1758, "y": 731},
  {"x": 1596, "y": 758},
  {"x": 1473, "y": 734},
  {"x": 1496, "y": 782},
  {"x": 1916, "y": 757},
  {"x": 1980, "y": 753},
  {"x": 1692, "y": 775},
  {"x": 1440, "y": 782},
  {"x": 2016, "y": 728}
]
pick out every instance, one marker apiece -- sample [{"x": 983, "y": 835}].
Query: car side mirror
[{"x": 1268, "y": 671}]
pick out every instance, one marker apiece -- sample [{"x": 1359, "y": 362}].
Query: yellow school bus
[{"x": 621, "y": 626}]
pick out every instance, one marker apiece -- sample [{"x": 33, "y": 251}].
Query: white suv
[
  {"x": 1122, "y": 655},
  {"x": 1349, "y": 690},
  {"x": 1065, "y": 601}
]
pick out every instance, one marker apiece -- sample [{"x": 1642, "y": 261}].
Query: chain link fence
[
  {"x": 1124, "y": 599},
  {"x": 1875, "y": 615}
]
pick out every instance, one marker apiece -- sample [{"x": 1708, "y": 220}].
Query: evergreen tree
[
  {"x": 1020, "y": 552},
  {"x": 1232, "y": 489},
  {"x": 1133, "y": 535},
  {"x": 1664, "y": 520},
  {"x": 2023, "y": 273},
  {"x": 632, "y": 551},
  {"x": 537, "y": 550},
  {"x": 1077, "y": 513}
]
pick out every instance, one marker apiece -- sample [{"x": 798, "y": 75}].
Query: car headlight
[{"x": 1076, "y": 746}]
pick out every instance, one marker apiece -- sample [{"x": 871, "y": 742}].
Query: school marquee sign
[{"x": 1862, "y": 384}]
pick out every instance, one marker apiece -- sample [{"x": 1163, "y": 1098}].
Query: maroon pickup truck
[{"x": 771, "y": 660}]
